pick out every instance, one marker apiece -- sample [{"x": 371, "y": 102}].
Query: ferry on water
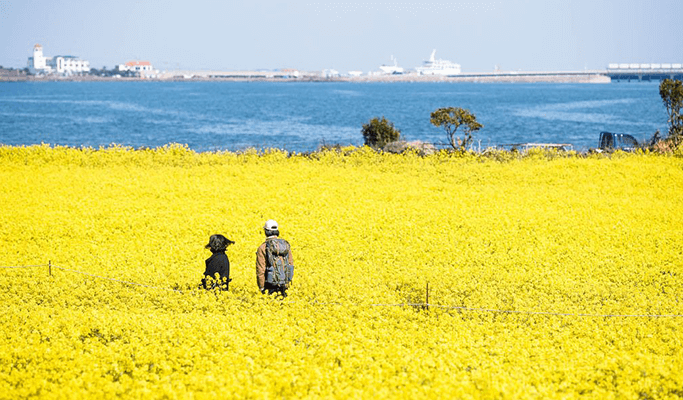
[
  {"x": 391, "y": 69},
  {"x": 438, "y": 67}
]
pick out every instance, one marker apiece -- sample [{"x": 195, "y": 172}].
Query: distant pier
[
  {"x": 644, "y": 72},
  {"x": 495, "y": 77}
]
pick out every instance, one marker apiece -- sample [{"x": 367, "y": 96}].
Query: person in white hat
[{"x": 274, "y": 262}]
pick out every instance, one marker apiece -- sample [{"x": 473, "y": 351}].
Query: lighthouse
[{"x": 37, "y": 63}]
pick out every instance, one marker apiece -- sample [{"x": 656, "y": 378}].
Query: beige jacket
[{"x": 261, "y": 263}]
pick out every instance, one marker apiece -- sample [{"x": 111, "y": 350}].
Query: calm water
[{"x": 301, "y": 116}]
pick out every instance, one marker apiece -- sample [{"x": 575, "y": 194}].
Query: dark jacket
[{"x": 219, "y": 264}]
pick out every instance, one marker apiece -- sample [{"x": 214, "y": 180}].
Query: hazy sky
[{"x": 346, "y": 35}]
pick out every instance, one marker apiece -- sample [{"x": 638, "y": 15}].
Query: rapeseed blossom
[{"x": 549, "y": 276}]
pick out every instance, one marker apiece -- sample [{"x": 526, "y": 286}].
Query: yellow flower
[{"x": 550, "y": 276}]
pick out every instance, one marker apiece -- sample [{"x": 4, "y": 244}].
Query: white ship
[
  {"x": 438, "y": 67},
  {"x": 391, "y": 69}
]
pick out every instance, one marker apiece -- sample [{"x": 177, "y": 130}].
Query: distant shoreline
[{"x": 510, "y": 77}]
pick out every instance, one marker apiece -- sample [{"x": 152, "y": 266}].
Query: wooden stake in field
[
  {"x": 49, "y": 267},
  {"x": 427, "y": 297}
]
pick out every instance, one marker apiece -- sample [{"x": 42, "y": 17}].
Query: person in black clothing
[{"x": 218, "y": 263}]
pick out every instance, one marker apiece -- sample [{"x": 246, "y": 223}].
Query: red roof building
[{"x": 136, "y": 66}]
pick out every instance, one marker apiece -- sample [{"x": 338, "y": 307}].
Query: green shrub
[{"x": 378, "y": 132}]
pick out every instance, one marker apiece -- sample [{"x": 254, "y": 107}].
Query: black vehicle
[{"x": 617, "y": 141}]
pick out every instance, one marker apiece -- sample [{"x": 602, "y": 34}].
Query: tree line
[{"x": 377, "y": 133}]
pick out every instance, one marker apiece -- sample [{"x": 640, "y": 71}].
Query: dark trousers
[
  {"x": 210, "y": 284},
  {"x": 278, "y": 289}
]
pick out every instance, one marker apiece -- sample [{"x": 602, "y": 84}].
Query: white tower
[{"x": 37, "y": 63}]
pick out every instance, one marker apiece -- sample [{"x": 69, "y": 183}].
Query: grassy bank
[{"x": 550, "y": 276}]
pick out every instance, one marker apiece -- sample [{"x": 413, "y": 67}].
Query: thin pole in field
[{"x": 427, "y": 297}]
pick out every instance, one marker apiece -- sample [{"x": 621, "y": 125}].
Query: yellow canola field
[{"x": 549, "y": 276}]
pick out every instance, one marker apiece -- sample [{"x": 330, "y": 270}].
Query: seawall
[{"x": 509, "y": 77}]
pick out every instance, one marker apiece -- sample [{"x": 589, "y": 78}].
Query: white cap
[{"x": 271, "y": 225}]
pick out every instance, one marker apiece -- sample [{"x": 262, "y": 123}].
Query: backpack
[{"x": 278, "y": 269}]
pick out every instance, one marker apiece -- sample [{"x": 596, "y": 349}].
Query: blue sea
[{"x": 301, "y": 116}]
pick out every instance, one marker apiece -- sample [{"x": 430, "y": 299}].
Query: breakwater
[
  {"x": 590, "y": 76},
  {"x": 268, "y": 76}
]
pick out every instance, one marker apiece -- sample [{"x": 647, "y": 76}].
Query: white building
[
  {"x": 65, "y": 65},
  {"x": 330, "y": 73},
  {"x": 141, "y": 67}
]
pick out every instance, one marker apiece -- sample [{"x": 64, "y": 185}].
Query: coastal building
[
  {"x": 330, "y": 73},
  {"x": 290, "y": 73},
  {"x": 142, "y": 68},
  {"x": 38, "y": 64}
]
